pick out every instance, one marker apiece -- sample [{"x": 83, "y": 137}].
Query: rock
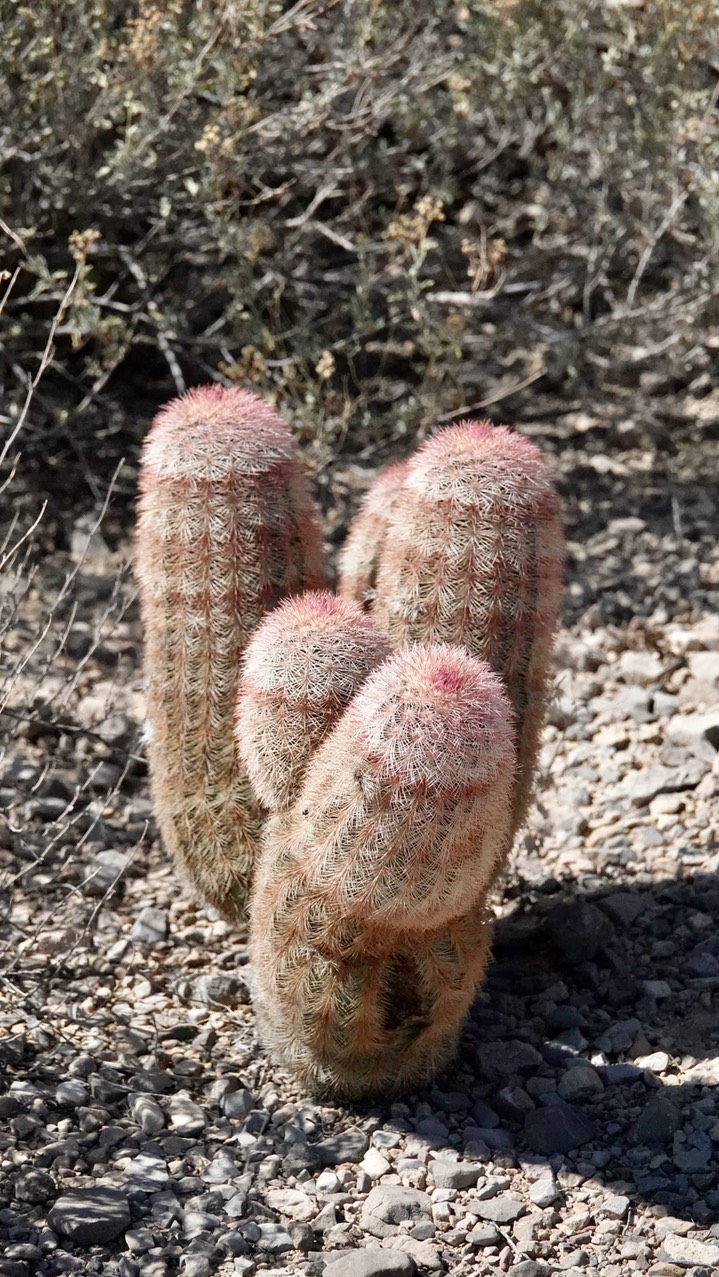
[
  {"x": 484, "y": 1115},
  {"x": 425, "y": 1256},
  {"x": 657, "y": 989},
  {"x": 34, "y": 1186},
  {"x": 291, "y": 1202},
  {"x": 237, "y": 1103},
  {"x": 578, "y": 930},
  {"x": 375, "y": 1164},
  {"x": 704, "y": 666},
  {"x": 147, "y": 1113},
  {"x": 448, "y": 1174},
  {"x": 557, "y": 1129},
  {"x": 302, "y": 1157},
  {"x": 221, "y": 1169},
  {"x": 302, "y": 1234},
  {"x": 528, "y": 1268},
  {"x": 657, "y": 1062},
  {"x": 221, "y": 989},
  {"x": 388, "y": 1204},
  {"x": 615, "y": 1206},
  {"x": 580, "y": 1083},
  {"x": 644, "y": 784},
  {"x": 687, "y": 1251},
  {"x": 687, "y": 729},
  {"x": 490, "y": 1188},
  {"x": 544, "y": 1191},
  {"x": 72, "y": 1092},
  {"x": 104, "y": 873},
  {"x": 148, "y": 1171},
  {"x": 619, "y": 1036},
  {"x": 486, "y": 1236},
  {"x": 199, "y": 1221},
  {"x": 274, "y": 1239},
  {"x": 500, "y": 1060},
  {"x": 346, "y": 1146},
  {"x": 640, "y": 667},
  {"x": 90, "y": 1216},
  {"x": 195, "y": 1265},
  {"x": 499, "y": 1210},
  {"x": 187, "y": 1118},
  {"x": 670, "y": 1224},
  {"x": 623, "y": 907},
  {"x": 658, "y": 1121},
  {"x": 150, "y": 926},
  {"x": 371, "y": 1262},
  {"x": 328, "y": 1182},
  {"x": 13, "y": 1268}
]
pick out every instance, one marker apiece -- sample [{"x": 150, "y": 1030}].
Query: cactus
[
  {"x": 226, "y": 529},
  {"x": 360, "y": 556},
  {"x": 368, "y": 926},
  {"x": 301, "y": 669},
  {"x": 472, "y": 554}
]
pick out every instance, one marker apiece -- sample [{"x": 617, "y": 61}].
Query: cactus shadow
[{"x": 606, "y": 1001}]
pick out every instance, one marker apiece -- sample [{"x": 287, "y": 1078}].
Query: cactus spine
[
  {"x": 226, "y": 529},
  {"x": 368, "y": 930},
  {"x": 472, "y": 554}
]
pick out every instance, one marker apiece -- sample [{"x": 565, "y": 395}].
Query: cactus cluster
[{"x": 356, "y": 766}]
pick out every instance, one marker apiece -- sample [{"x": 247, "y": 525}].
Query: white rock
[
  {"x": 375, "y": 1164},
  {"x": 291, "y": 1202},
  {"x": 544, "y": 1191},
  {"x": 657, "y": 1062},
  {"x": 688, "y": 1251}
]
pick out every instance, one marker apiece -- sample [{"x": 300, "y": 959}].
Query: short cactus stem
[
  {"x": 473, "y": 555},
  {"x": 226, "y": 528},
  {"x": 361, "y": 554},
  {"x": 385, "y": 858},
  {"x": 303, "y": 665}
]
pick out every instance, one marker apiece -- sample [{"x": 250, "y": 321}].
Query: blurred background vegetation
[{"x": 379, "y": 214}]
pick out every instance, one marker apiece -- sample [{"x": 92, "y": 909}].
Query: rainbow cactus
[
  {"x": 226, "y": 529},
  {"x": 394, "y": 781},
  {"x": 362, "y": 553},
  {"x": 369, "y": 931},
  {"x": 471, "y": 553}
]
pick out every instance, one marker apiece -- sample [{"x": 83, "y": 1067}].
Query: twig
[
  {"x": 495, "y": 398},
  {"x": 44, "y": 360},
  {"x": 645, "y": 258}
]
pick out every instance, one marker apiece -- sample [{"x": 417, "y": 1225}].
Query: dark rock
[
  {"x": 578, "y": 930},
  {"x": 623, "y": 907},
  {"x": 658, "y": 1121},
  {"x": 302, "y": 1157},
  {"x": 557, "y": 1129},
  {"x": 90, "y": 1216},
  {"x": 34, "y": 1186},
  {"x": 499, "y": 1060},
  {"x": 346, "y": 1146}
]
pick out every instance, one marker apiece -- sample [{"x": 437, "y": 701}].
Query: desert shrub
[{"x": 376, "y": 217}]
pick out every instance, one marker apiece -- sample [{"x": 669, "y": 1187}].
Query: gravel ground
[{"x": 142, "y": 1129}]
